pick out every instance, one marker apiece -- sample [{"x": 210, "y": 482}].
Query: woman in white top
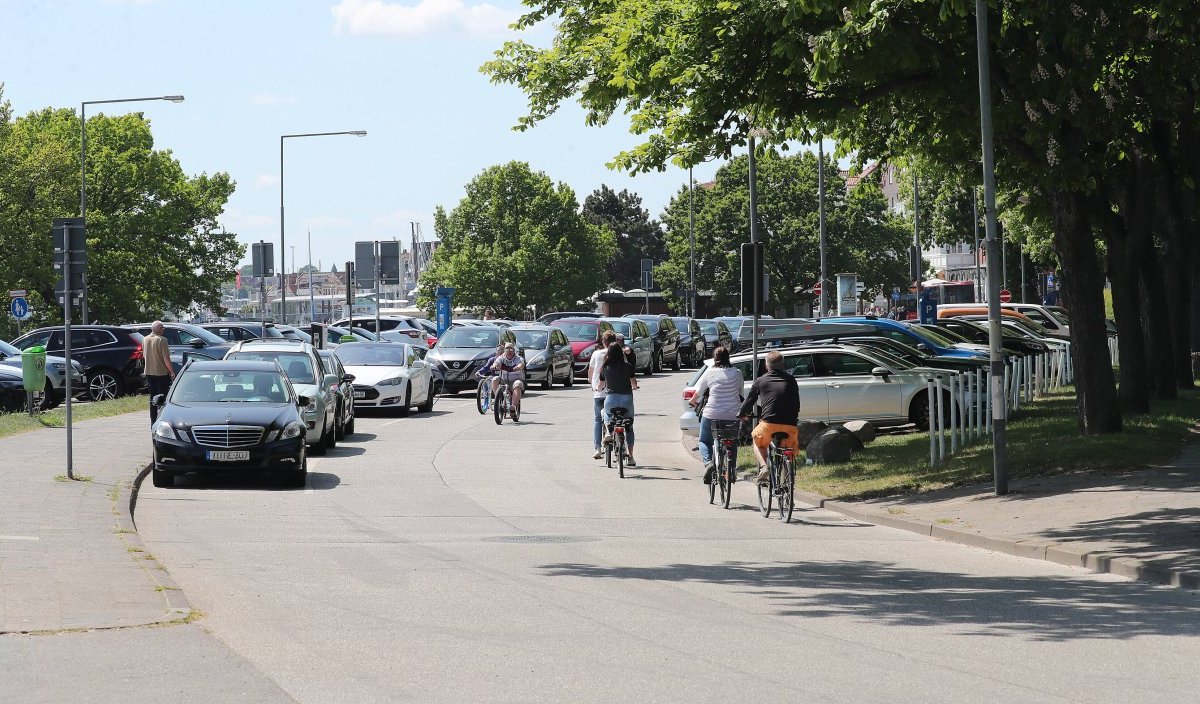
[{"x": 724, "y": 386}]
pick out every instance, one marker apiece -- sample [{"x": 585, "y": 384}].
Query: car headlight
[
  {"x": 163, "y": 429},
  {"x": 587, "y": 353},
  {"x": 536, "y": 362},
  {"x": 292, "y": 430},
  {"x": 394, "y": 381}
]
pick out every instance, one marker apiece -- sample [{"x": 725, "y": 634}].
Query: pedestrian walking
[{"x": 159, "y": 371}]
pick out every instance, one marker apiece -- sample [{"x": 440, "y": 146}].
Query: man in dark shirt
[{"x": 779, "y": 398}]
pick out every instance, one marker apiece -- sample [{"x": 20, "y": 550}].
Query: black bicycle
[
  {"x": 781, "y": 484},
  {"x": 618, "y": 424},
  {"x": 725, "y": 437},
  {"x": 502, "y": 403},
  {"x": 483, "y": 395}
]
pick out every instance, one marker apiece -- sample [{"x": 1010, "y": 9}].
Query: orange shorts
[{"x": 763, "y": 432}]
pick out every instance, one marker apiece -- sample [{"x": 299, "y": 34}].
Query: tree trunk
[
  {"x": 1155, "y": 304},
  {"x": 1133, "y": 389},
  {"x": 1095, "y": 387}
]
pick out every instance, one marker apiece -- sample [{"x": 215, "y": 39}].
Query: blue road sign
[
  {"x": 19, "y": 307},
  {"x": 895, "y": 294}
]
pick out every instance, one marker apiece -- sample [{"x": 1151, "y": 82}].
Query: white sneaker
[{"x": 598, "y": 455}]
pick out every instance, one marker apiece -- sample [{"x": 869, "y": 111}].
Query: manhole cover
[{"x": 539, "y": 539}]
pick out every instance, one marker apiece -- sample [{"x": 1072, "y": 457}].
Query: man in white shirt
[{"x": 593, "y": 374}]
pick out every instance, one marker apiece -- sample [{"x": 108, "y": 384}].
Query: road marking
[{"x": 19, "y": 537}]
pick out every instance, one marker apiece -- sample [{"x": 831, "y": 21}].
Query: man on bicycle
[
  {"x": 779, "y": 398},
  {"x": 510, "y": 367}
]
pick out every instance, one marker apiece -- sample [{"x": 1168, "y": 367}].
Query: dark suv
[
  {"x": 693, "y": 346},
  {"x": 111, "y": 356},
  {"x": 666, "y": 340},
  {"x": 184, "y": 338}
]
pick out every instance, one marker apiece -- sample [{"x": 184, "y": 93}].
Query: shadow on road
[
  {"x": 255, "y": 482},
  {"x": 1034, "y": 608},
  {"x": 1173, "y": 534}
]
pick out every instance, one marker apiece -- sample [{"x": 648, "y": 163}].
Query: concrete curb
[
  {"x": 178, "y": 607},
  {"x": 1058, "y": 553}
]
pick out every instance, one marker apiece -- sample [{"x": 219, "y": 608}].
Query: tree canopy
[
  {"x": 152, "y": 244},
  {"x": 636, "y": 236},
  {"x": 517, "y": 241}
]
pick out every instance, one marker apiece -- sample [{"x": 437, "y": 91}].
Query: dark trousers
[{"x": 156, "y": 385}]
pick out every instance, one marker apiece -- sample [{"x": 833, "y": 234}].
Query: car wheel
[
  {"x": 44, "y": 399},
  {"x": 919, "y": 411},
  {"x": 658, "y": 362},
  {"x": 340, "y": 427},
  {"x": 407, "y": 401},
  {"x": 427, "y": 405},
  {"x": 319, "y": 447},
  {"x": 104, "y": 385},
  {"x": 162, "y": 479},
  {"x": 297, "y": 478},
  {"x": 678, "y": 360},
  {"x": 549, "y": 380},
  {"x": 570, "y": 377},
  {"x": 350, "y": 425},
  {"x": 331, "y": 435},
  {"x": 698, "y": 359},
  {"x": 649, "y": 370}
]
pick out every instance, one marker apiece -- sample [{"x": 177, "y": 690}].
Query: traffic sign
[
  {"x": 17, "y": 293},
  {"x": 895, "y": 294},
  {"x": 1005, "y": 295},
  {"x": 19, "y": 307},
  {"x": 816, "y": 289}
]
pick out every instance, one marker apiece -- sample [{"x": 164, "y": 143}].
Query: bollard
[
  {"x": 929, "y": 405},
  {"x": 941, "y": 421},
  {"x": 977, "y": 407},
  {"x": 953, "y": 412}
]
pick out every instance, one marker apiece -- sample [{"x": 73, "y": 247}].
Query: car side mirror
[
  {"x": 348, "y": 378},
  {"x": 881, "y": 372},
  {"x": 332, "y": 380},
  {"x": 198, "y": 343},
  {"x": 158, "y": 400},
  {"x": 303, "y": 401},
  {"x": 923, "y": 347}
]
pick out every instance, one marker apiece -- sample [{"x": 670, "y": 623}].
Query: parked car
[
  {"x": 973, "y": 331},
  {"x": 388, "y": 375},
  {"x": 421, "y": 343},
  {"x": 903, "y": 332},
  {"x": 12, "y": 390},
  {"x": 666, "y": 340},
  {"x": 638, "y": 339},
  {"x": 55, "y": 390},
  {"x": 308, "y": 375},
  {"x": 978, "y": 311},
  {"x": 230, "y": 416},
  {"x": 549, "y": 355},
  {"x": 345, "y": 393},
  {"x": 692, "y": 345},
  {"x": 183, "y": 337},
  {"x": 840, "y": 383},
  {"x": 716, "y": 333},
  {"x": 180, "y": 358},
  {"x": 111, "y": 356},
  {"x": 551, "y": 317},
  {"x": 1046, "y": 316},
  {"x": 408, "y": 325},
  {"x": 584, "y": 334},
  {"x": 242, "y": 330},
  {"x": 460, "y": 353}
]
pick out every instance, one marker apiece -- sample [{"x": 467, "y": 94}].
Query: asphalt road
[{"x": 443, "y": 558}]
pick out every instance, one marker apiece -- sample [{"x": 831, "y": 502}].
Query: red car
[{"x": 584, "y": 334}]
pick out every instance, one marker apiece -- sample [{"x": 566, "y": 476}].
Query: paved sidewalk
[
  {"x": 69, "y": 558},
  {"x": 1141, "y": 525}
]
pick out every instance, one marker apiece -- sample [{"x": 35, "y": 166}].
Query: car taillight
[
  {"x": 688, "y": 394},
  {"x": 137, "y": 352},
  {"x": 431, "y": 340}
]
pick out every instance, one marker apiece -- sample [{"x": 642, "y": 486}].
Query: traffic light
[{"x": 752, "y": 274}]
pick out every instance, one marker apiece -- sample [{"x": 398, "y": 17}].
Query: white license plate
[
  {"x": 360, "y": 394},
  {"x": 228, "y": 455}
]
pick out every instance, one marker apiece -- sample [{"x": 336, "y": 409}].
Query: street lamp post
[
  {"x": 83, "y": 159},
  {"x": 821, "y": 223},
  {"x": 692, "y": 244},
  {"x": 282, "y": 230}
]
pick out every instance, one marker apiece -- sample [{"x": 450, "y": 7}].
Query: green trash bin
[{"x": 33, "y": 369}]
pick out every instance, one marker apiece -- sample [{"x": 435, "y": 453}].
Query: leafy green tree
[
  {"x": 863, "y": 237},
  {"x": 152, "y": 244},
  {"x": 517, "y": 241},
  {"x": 637, "y": 237}
]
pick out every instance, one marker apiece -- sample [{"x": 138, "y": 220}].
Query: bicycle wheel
[
  {"x": 787, "y": 489},
  {"x": 500, "y": 404},
  {"x": 620, "y": 443},
  {"x": 712, "y": 484},
  {"x": 765, "y": 493},
  {"x": 727, "y": 477},
  {"x": 483, "y": 397}
]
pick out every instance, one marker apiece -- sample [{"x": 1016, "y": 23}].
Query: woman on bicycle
[
  {"x": 724, "y": 386},
  {"x": 618, "y": 378}
]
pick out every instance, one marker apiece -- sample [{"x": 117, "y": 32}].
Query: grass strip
[
  {"x": 1043, "y": 440},
  {"x": 14, "y": 423}
]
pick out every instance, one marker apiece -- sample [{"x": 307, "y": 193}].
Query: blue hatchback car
[{"x": 902, "y": 332}]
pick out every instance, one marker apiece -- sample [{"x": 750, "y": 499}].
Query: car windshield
[
  {"x": 681, "y": 323},
  {"x": 534, "y": 339},
  {"x": 888, "y": 358},
  {"x": 469, "y": 337},
  {"x": 734, "y": 325},
  {"x": 621, "y": 327},
  {"x": 708, "y": 327},
  {"x": 1031, "y": 325},
  {"x": 943, "y": 337},
  {"x": 578, "y": 332},
  {"x": 9, "y": 349},
  {"x": 297, "y": 365},
  {"x": 205, "y": 335},
  {"x": 1060, "y": 314},
  {"x": 653, "y": 325},
  {"x": 228, "y": 386},
  {"x": 379, "y": 355}
]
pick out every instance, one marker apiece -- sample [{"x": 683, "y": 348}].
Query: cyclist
[
  {"x": 724, "y": 386},
  {"x": 779, "y": 397},
  {"x": 510, "y": 367},
  {"x": 598, "y": 394},
  {"x": 618, "y": 378},
  {"x": 485, "y": 369}
]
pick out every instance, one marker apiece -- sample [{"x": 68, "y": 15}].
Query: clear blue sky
[{"x": 404, "y": 70}]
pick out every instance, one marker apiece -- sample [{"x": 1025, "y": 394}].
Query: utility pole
[
  {"x": 916, "y": 243},
  {"x": 821, "y": 221},
  {"x": 756, "y": 295},
  {"x": 979, "y": 290},
  {"x": 999, "y": 449},
  {"x": 692, "y": 244}
]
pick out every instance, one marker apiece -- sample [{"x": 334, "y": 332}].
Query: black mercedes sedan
[{"x": 230, "y": 416}]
